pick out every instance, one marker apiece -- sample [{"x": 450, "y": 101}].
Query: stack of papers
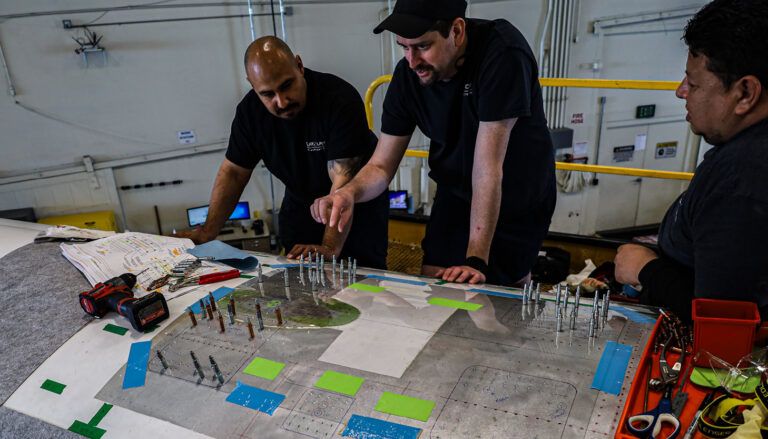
[
  {"x": 148, "y": 256},
  {"x": 70, "y": 233}
]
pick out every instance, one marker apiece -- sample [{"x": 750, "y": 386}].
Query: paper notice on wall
[
  {"x": 580, "y": 149},
  {"x": 640, "y": 141},
  {"x": 186, "y": 137}
]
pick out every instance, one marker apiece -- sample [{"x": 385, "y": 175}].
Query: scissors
[{"x": 653, "y": 421}]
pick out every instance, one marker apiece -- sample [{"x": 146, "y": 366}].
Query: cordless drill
[{"x": 116, "y": 294}]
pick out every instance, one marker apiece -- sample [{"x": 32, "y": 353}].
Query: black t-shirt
[
  {"x": 713, "y": 240},
  {"x": 498, "y": 80},
  {"x": 332, "y": 126}
]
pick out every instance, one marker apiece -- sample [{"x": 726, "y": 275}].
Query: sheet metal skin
[{"x": 504, "y": 372}]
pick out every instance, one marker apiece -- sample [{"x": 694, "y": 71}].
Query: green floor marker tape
[
  {"x": 119, "y": 330},
  {"x": 405, "y": 406},
  {"x": 86, "y": 430},
  {"x": 263, "y": 368},
  {"x": 441, "y": 282},
  {"x": 105, "y": 408},
  {"x": 448, "y": 303},
  {"x": 367, "y": 288},
  {"x": 339, "y": 383},
  {"x": 53, "y": 386}
]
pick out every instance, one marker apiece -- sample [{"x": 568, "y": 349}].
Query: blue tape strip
[
  {"x": 218, "y": 294},
  {"x": 136, "y": 367},
  {"x": 610, "y": 372},
  {"x": 496, "y": 293},
  {"x": 283, "y": 265},
  {"x": 634, "y": 315},
  {"x": 372, "y": 428},
  {"x": 255, "y": 398},
  {"x": 396, "y": 279}
]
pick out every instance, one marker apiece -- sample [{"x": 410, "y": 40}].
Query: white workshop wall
[{"x": 165, "y": 77}]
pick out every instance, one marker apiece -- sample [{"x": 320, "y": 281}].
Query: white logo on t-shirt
[
  {"x": 316, "y": 146},
  {"x": 468, "y": 89}
]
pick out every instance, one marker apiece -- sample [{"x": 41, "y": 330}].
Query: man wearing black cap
[{"x": 472, "y": 87}]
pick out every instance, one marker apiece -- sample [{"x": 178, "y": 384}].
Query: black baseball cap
[{"x": 413, "y": 18}]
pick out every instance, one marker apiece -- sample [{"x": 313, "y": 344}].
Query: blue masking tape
[
  {"x": 255, "y": 398},
  {"x": 283, "y": 265},
  {"x": 396, "y": 279},
  {"x": 136, "y": 367},
  {"x": 218, "y": 294},
  {"x": 610, "y": 372},
  {"x": 496, "y": 293},
  {"x": 372, "y": 428},
  {"x": 634, "y": 315}
]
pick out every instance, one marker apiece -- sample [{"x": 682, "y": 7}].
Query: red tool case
[{"x": 634, "y": 402}]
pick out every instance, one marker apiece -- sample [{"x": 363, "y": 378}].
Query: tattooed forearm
[{"x": 345, "y": 167}]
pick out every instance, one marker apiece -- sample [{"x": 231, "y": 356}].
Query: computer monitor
[
  {"x": 398, "y": 200},
  {"x": 196, "y": 216}
]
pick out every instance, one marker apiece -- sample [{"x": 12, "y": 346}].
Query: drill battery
[{"x": 116, "y": 294}]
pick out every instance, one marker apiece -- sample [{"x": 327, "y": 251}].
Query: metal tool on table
[{"x": 204, "y": 279}]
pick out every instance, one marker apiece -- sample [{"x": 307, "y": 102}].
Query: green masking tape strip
[
  {"x": 405, "y": 406},
  {"x": 441, "y": 282},
  {"x": 367, "y": 288},
  {"x": 86, "y": 430},
  {"x": 263, "y": 368},
  {"x": 339, "y": 383},
  {"x": 53, "y": 386},
  {"x": 448, "y": 303},
  {"x": 119, "y": 330},
  {"x": 105, "y": 408}
]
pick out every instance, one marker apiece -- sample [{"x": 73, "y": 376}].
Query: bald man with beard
[{"x": 310, "y": 130}]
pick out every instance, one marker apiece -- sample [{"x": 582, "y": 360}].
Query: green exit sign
[{"x": 645, "y": 111}]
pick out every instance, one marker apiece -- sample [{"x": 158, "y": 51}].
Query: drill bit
[
  {"x": 162, "y": 359},
  {"x": 202, "y": 309},
  {"x": 212, "y": 300},
  {"x": 559, "y": 320},
  {"x": 197, "y": 365},
  {"x": 231, "y": 314},
  {"x": 192, "y": 317},
  {"x": 341, "y": 273},
  {"x": 538, "y": 293},
  {"x": 279, "y": 316},
  {"x": 209, "y": 310},
  {"x": 232, "y": 302},
  {"x": 321, "y": 273},
  {"x": 258, "y": 316},
  {"x": 221, "y": 321},
  {"x": 261, "y": 279},
  {"x": 592, "y": 326},
  {"x": 286, "y": 282},
  {"x": 250, "y": 330},
  {"x": 216, "y": 369},
  {"x": 558, "y": 294},
  {"x": 333, "y": 270},
  {"x": 354, "y": 269}
]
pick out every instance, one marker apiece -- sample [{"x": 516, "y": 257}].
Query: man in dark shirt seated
[
  {"x": 310, "y": 130},
  {"x": 713, "y": 241}
]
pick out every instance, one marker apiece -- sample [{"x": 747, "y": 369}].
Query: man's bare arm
[
  {"x": 340, "y": 172},
  {"x": 487, "y": 173},
  {"x": 227, "y": 188},
  {"x": 335, "y": 210}
]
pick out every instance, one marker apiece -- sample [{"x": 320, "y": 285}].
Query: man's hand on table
[
  {"x": 299, "y": 250},
  {"x": 197, "y": 235},
  {"x": 460, "y": 274},
  {"x": 630, "y": 260}
]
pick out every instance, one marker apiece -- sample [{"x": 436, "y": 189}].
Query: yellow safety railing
[{"x": 566, "y": 82}]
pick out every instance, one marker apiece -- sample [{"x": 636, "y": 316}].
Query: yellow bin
[{"x": 101, "y": 220}]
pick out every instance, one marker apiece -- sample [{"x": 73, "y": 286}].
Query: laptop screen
[
  {"x": 398, "y": 200},
  {"x": 196, "y": 216}
]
